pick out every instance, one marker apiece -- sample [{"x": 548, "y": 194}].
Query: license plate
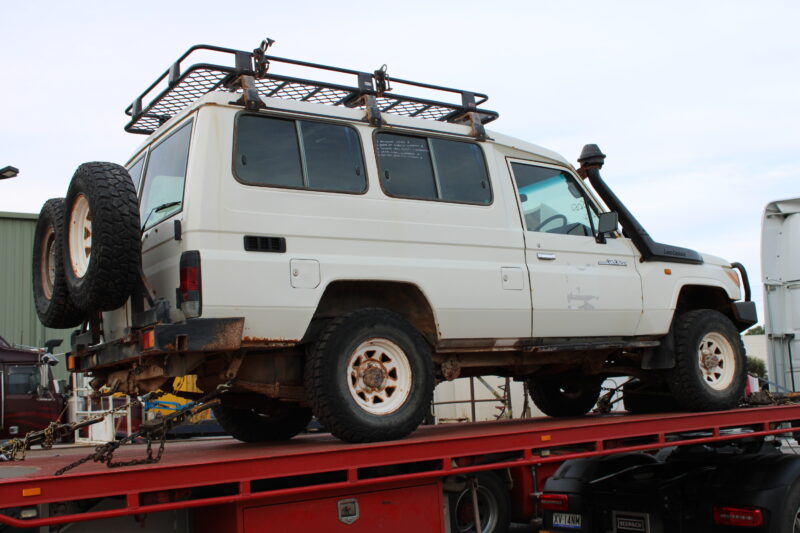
[
  {"x": 568, "y": 520},
  {"x": 631, "y": 522}
]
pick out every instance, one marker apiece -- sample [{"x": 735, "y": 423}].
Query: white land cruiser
[{"x": 338, "y": 250}]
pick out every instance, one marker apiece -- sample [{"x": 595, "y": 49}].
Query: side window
[
  {"x": 164, "y": 177},
  {"x": 136, "y": 172},
  {"x": 23, "y": 379},
  {"x": 432, "y": 169},
  {"x": 552, "y": 202},
  {"x": 298, "y": 153}
]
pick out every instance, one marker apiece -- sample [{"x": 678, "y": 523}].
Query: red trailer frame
[{"x": 245, "y": 480}]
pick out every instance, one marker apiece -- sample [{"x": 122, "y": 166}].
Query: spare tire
[
  {"x": 102, "y": 239},
  {"x": 50, "y": 293}
]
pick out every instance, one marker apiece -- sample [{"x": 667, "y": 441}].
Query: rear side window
[
  {"x": 299, "y": 154},
  {"x": 164, "y": 177},
  {"x": 433, "y": 169}
]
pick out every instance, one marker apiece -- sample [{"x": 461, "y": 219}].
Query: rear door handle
[{"x": 545, "y": 256}]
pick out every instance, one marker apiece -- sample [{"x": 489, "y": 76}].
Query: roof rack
[{"x": 250, "y": 77}]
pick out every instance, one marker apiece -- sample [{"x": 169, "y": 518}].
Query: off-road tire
[
  {"x": 686, "y": 381},
  {"x": 277, "y": 421},
  {"x": 326, "y": 376},
  {"x": 561, "y": 396},
  {"x": 50, "y": 293},
  {"x": 114, "y": 255},
  {"x": 494, "y": 502},
  {"x": 788, "y": 520},
  {"x": 641, "y": 398}
]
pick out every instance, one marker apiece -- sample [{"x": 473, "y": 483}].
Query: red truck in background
[{"x": 29, "y": 396}]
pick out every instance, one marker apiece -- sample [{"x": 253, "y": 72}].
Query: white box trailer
[{"x": 780, "y": 271}]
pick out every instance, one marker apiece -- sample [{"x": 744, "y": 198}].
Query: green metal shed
[{"x": 18, "y": 321}]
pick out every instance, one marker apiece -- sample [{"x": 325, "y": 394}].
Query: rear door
[
  {"x": 580, "y": 288},
  {"x": 161, "y": 206}
]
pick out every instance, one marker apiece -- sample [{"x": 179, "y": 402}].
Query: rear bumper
[{"x": 195, "y": 335}]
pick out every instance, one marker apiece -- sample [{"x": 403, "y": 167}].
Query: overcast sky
[{"x": 695, "y": 103}]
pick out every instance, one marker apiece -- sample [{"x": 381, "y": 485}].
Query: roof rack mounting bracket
[
  {"x": 469, "y": 115},
  {"x": 365, "y": 96},
  {"x": 250, "y": 98}
]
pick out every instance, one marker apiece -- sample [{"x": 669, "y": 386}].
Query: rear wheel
[
  {"x": 369, "y": 377},
  {"x": 565, "y": 395},
  {"x": 710, "y": 367},
  {"x": 493, "y": 506},
  {"x": 273, "y": 421},
  {"x": 50, "y": 293}
]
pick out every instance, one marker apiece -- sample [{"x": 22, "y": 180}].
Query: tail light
[
  {"x": 554, "y": 502},
  {"x": 190, "y": 293},
  {"x": 738, "y": 516}
]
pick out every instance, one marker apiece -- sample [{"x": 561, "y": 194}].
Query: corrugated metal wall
[{"x": 18, "y": 321}]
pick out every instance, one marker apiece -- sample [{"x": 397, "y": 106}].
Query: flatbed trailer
[{"x": 318, "y": 483}]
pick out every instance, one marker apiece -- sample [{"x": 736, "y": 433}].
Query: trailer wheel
[
  {"x": 565, "y": 395},
  {"x": 493, "y": 506},
  {"x": 638, "y": 397},
  {"x": 50, "y": 292},
  {"x": 710, "y": 368},
  {"x": 102, "y": 248},
  {"x": 277, "y": 421},
  {"x": 369, "y": 376}
]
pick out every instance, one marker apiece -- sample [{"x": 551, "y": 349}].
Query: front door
[{"x": 580, "y": 288}]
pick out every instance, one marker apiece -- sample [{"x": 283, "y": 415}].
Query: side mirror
[
  {"x": 52, "y": 344},
  {"x": 606, "y": 223},
  {"x": 42, "y": 390}
]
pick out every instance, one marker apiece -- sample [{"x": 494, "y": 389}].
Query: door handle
[{"x": 545, "y": 256}]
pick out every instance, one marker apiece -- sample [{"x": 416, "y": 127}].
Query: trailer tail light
[
  {"x": 738, "y": 516},
  {"x": 189, "y": 297},
  {"x": 554, "y": 502}
]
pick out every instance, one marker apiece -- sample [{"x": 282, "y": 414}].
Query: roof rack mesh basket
[{"x": 176, "y": 88}]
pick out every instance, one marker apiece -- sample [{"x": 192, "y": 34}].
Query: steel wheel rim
[
  {"x": 48, "y": 263},
  {"x": 716, "y": 360},
  {"x": 487, "y": 507},
  {"x": 379, "y": 376},
  {"x": 80, "y": 236}
]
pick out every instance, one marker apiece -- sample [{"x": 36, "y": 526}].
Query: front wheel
[
  {"x": 565, "y": 395},
  {"x": 369, "y": 377},
  {"x": 710, "y": 367},
  {"x": 493, "y": 506}
]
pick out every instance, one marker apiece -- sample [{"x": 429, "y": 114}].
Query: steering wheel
[{"x": 549, "y": 220}]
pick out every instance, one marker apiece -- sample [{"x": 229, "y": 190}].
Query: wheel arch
[
  {"x": 344, "y": 296},
  {"x": 689, "y": 296}
]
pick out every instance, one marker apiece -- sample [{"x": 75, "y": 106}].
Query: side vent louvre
[{"x": 264, "y": 244}]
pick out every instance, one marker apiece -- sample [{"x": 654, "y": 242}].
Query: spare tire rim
[
  {"x": 379, "y": 376},
  {"x": 717, "y": 361},
  {"x": 80, "y": 236},
  {"x": 48, "y": 263}
]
